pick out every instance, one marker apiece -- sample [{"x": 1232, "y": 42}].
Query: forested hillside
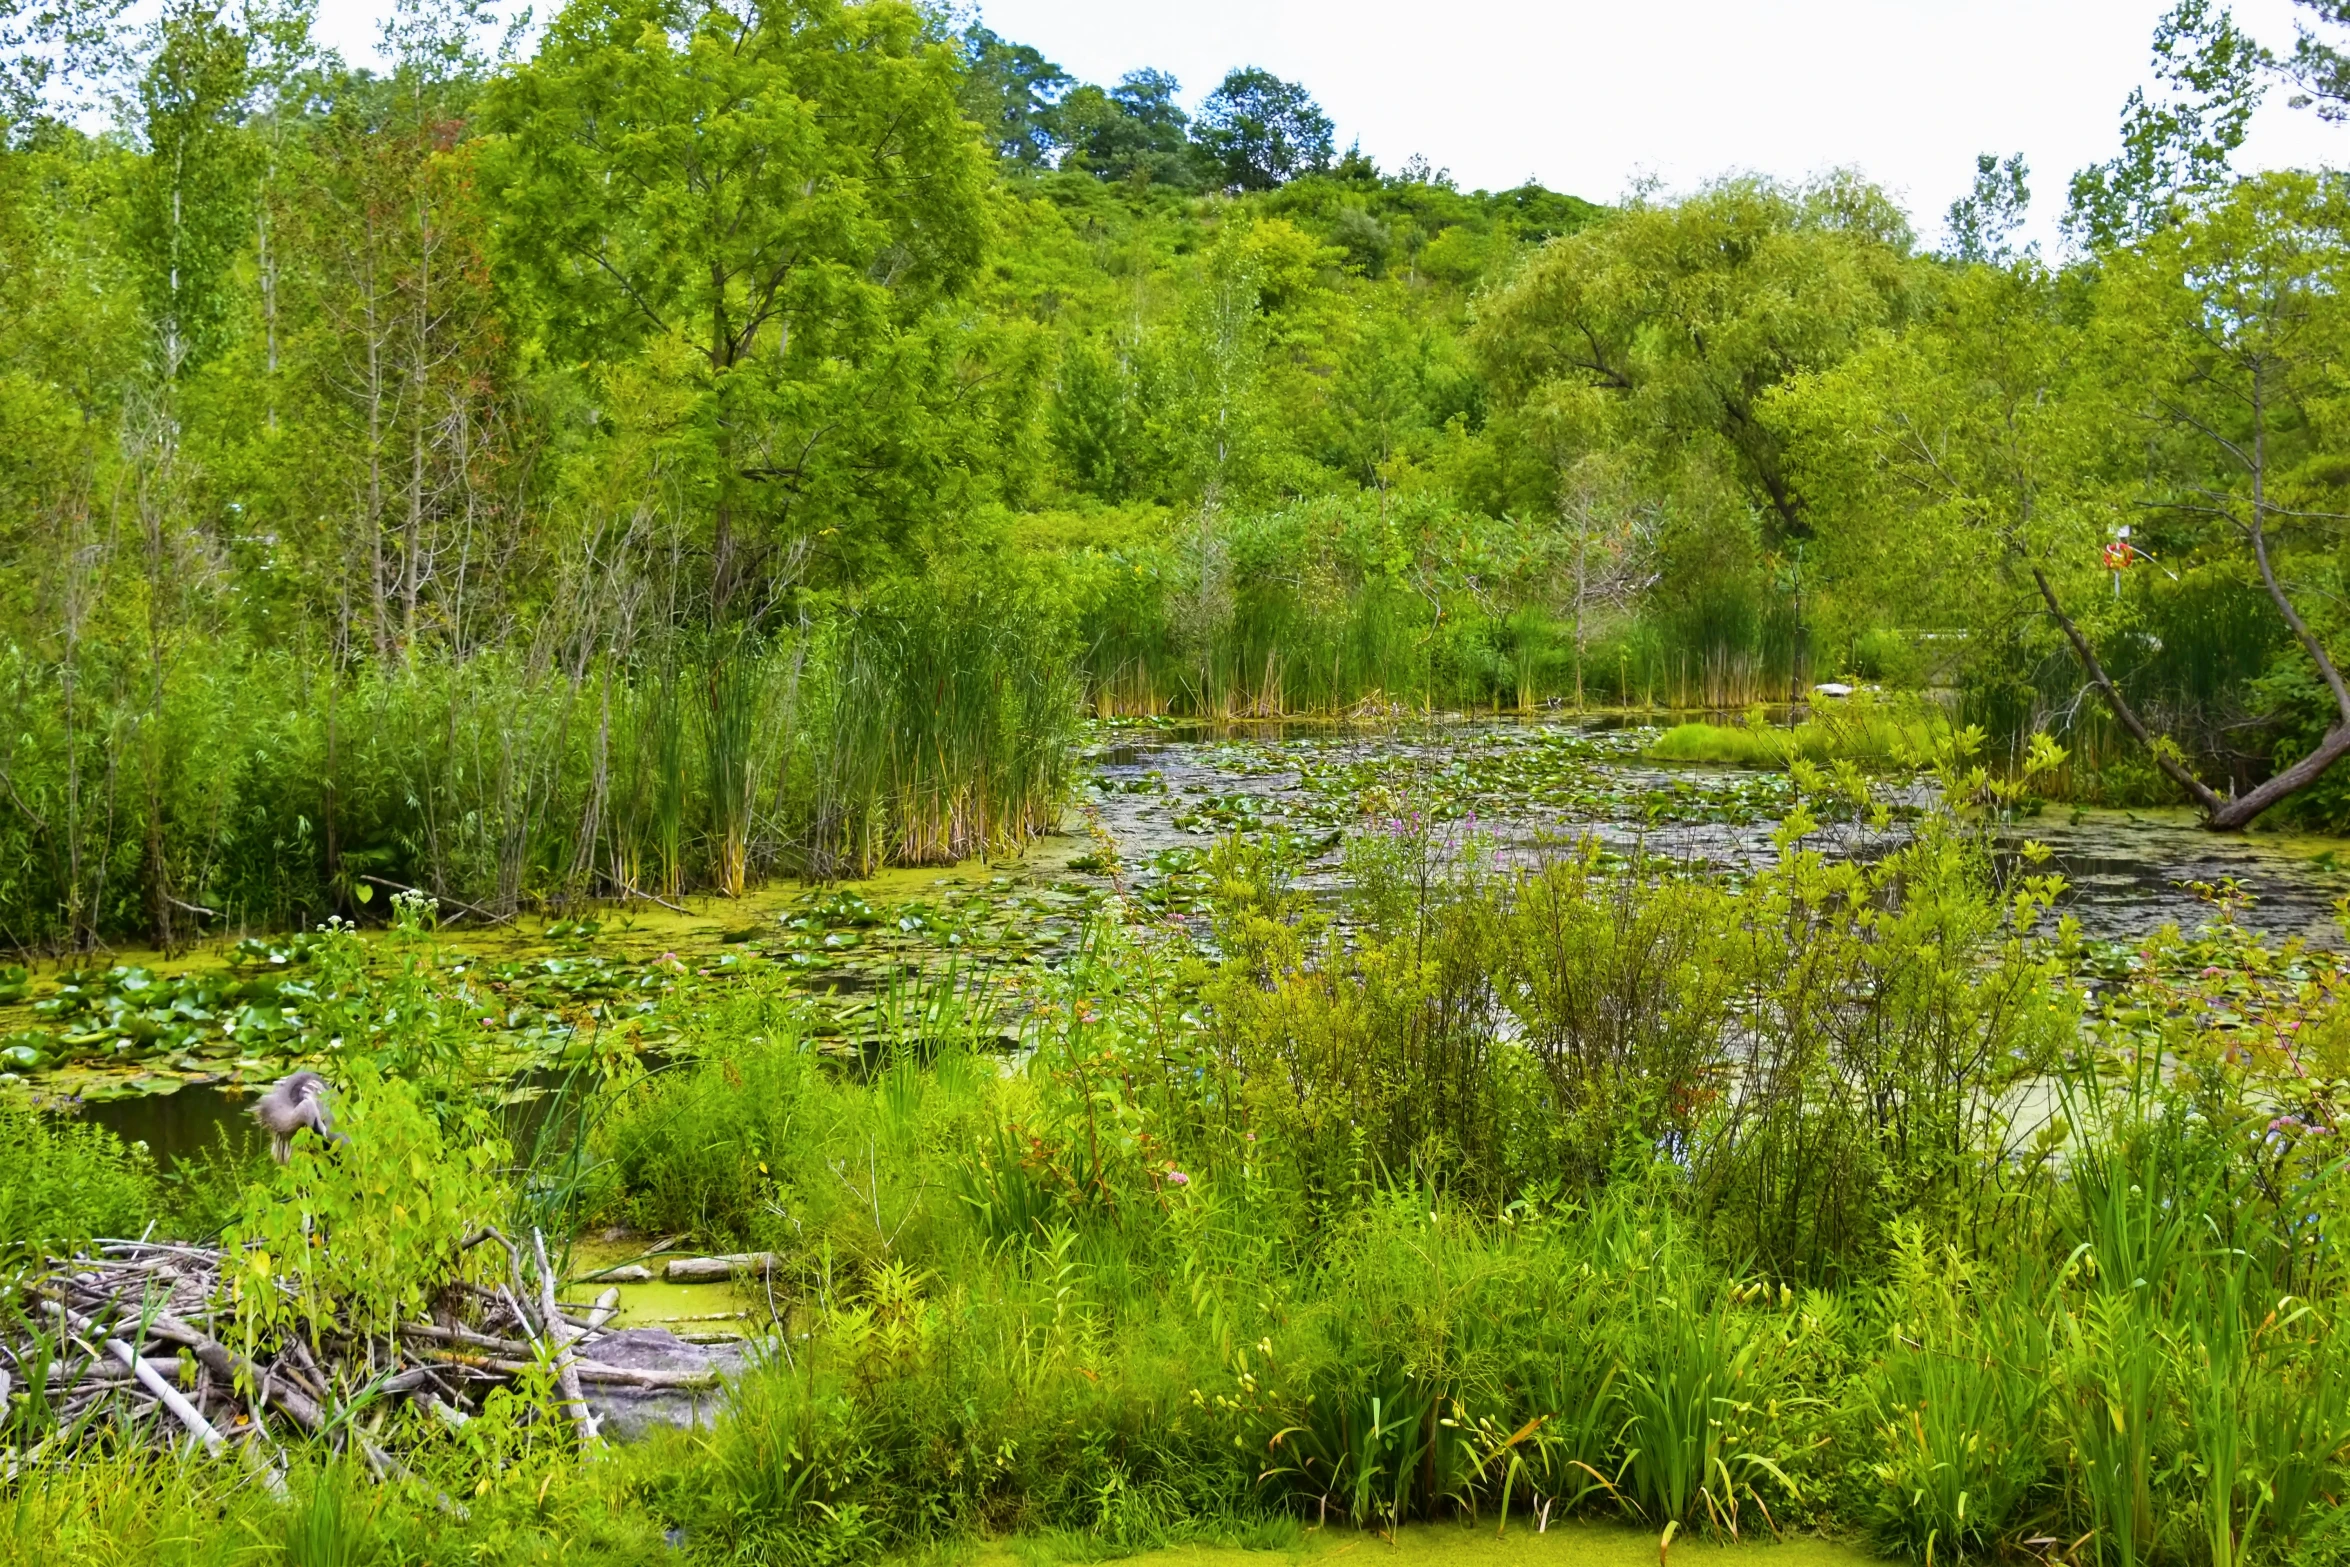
[{"x": 713, "y": 442}]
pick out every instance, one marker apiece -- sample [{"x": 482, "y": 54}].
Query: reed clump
[
  {"x": 293, "y": 788},
  {"x": 1329, "y": 605}
]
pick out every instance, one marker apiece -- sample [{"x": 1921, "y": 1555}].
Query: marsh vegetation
[{"x": 1028, "y": 825}]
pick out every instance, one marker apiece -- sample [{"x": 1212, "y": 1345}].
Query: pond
[
  {"x": 1164, "y": 795},
  {"x": 169, "y": 1053}
]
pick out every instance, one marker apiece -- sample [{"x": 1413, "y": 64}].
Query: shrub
[
  {"x": 367, "y": 1230},
  {"x": 64, "y": 1181}
]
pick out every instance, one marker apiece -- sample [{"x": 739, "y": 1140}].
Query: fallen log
[
  {"x": 169, "y": 1397},
  {"x": 587, "y": 1370},
  {"x": 706, "y": 1270}
]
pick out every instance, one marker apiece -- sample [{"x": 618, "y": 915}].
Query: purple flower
[{"x": 1178, "y": 1178}]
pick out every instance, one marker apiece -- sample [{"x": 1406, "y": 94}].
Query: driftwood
[
  {"x": 134, "y": 1338},
  {"x": 709, "y": 1270}
]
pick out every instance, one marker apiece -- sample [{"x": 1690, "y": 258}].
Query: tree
[
  {"x": 1136, "y": 132},
  {"x": 766, "y": 200},
  {"x": 412, "y": 358},
  {"x": 2177, "y": 146},
  {"x": 1009, "y": 90},
  {"x": 187, "y": 205},
  {"x": 47, "y": 49},
  {"x": 2188, "y": 390},
  {"x": 1983, "y": 223},
  {"x": 2319, "y": 66},
  {"x": 2239, "y": 317},
  {"x": 1263, "y": 131},
  {"x": 1662, "y": 331},
  {"x": 186, "y": 225}
]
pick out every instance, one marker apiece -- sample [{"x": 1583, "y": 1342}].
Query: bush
[
  {"x": 367, "y": 1230},
  {"x": 64, "y": 1181}
]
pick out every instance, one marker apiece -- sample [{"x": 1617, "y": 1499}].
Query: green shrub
[
  {"x": 64, "y": 1181},
  {"x": 367, "y": 1230}
]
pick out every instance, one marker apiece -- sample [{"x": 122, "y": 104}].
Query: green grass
[
  {"x": 63, "y": 1180},
  {"x": 1866, "y": 734},
  {"x": 1578, "y": 1543}
]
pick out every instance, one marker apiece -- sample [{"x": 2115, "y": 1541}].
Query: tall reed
[{"x": 299, "y": 788}]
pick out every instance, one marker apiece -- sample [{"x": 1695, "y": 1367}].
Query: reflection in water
[
  {"x": 2129, "y": 872},
  {"x": 181, "y": 1124}
]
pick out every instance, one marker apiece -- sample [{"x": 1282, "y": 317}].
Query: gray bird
[{"x": 295, "y": 1102}]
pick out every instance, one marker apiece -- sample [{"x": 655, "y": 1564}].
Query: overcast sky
[{"x": 1588, "y": 95}]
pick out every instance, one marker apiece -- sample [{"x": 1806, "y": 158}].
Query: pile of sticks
[{"x": 133, "y": 1338}]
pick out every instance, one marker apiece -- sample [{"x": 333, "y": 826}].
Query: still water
[{"x": 1159, "y": 799}]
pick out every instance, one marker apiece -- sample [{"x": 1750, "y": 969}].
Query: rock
[
  {"x": 626, "y": 1414},
  {"x": 1831, "y": 688},
  {"x": 705, "y": 1270}
]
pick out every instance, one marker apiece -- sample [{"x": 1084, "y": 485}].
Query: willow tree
[
  {"x": 1657, "y": 337},
  {"x": 1663, "y": 329}
]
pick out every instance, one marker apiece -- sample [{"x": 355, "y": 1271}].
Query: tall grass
[
  {"x": 1868, "y": 732},
  {"x": 946, "y": 734},
  {"x": 62, "y": 1181},
  {"x": 297, "y": 788},
  {"x": 1338, "y": 604}
]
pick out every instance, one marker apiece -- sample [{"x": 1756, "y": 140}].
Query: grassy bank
[{"x": 1865, "y": 730}]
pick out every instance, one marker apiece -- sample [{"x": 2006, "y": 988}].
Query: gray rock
[{"x": 626, "y": 1414}]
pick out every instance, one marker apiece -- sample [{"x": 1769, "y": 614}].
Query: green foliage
[
  {"x": 1959, "y": 1402},
  {"x": 187, "y": 213},
  {"x": 1863, "y": 732},
  {"x": 728, "y": 194},
  {"x": 63, "y": 1181},
  {"x": 2176, "y": 147},
  {"x": 938, "y": 731},
  {"x": 367, "y": 1230},
  {"x": 1262, "y": 130}
]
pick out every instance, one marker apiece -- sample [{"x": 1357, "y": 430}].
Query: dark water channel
[
  {"x": 191, "y": 1120},
  {"x": 182, "y": 1122}
]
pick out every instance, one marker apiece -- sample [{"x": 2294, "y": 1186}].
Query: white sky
[{"x": 1586, "y": 95}]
